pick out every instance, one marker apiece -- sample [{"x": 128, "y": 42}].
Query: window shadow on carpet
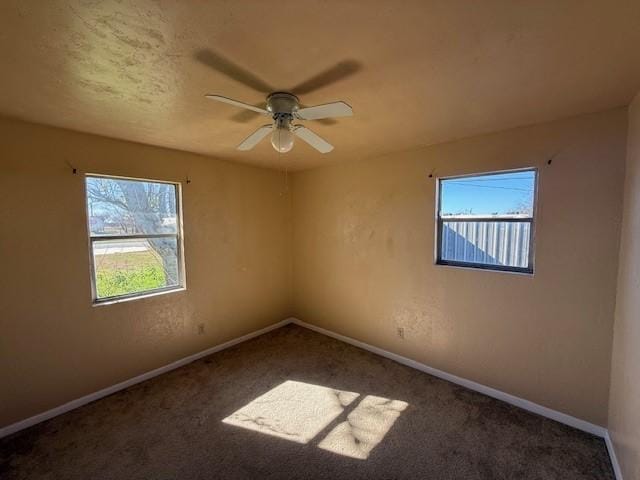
[{"x": 300, "y": 412}]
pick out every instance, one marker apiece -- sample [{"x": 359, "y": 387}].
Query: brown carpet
[{"x": 296, "y": 404}]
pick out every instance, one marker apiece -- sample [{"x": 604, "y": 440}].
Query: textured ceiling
[{"x": 415, "y": 73}]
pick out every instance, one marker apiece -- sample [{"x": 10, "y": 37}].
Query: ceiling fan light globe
[{"x": 282, "y": 139}]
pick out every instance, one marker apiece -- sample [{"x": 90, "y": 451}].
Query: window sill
[
  {"x": 483, "y": 268},
  {"x": 128, "y": 298}
]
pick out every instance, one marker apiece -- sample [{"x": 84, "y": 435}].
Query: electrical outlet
[
  {"x": 401, "y": 332},
  {"x": 201, "y": 329}
]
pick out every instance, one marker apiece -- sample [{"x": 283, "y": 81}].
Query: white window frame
[
  {"x": 529, "y": 270},
  {"x": 179, "y": 236}
]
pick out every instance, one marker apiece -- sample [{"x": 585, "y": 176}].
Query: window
[
  {"x": 135, "y": 236},
  {"x": 487, "y": 221}
]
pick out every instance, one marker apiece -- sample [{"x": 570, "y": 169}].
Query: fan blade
[
  {"x": 313, "y": 139},
  {"x": 236, "y": 103},
  {"x": 337, "y": 72},
  {"x": 323, "y": 121},
  {"x": 328, "y": 110},
  {"x": 231, "y": 70},
  {"x": 253, "y": 139},
  {"x": 244, "y": 116}
]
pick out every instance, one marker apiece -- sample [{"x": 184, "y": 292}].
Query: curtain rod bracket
[
  {"x": 551, "y": 158},
  {"x": 74, "y": 170}
]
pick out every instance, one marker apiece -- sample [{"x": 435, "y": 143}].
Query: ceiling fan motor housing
[
  {"x": 282, "y": 102},
  {"x": 282, "y": 106}
]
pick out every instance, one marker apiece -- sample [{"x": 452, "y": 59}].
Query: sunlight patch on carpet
[
  {"x": 294, "y": 411},
  {"x": 364, "y": 428},
  {"x": 299, "y": 411}
]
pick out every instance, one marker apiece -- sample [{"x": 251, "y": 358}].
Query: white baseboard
[
  {"x": 491, "y": 392},
  {"x": 78, "y": 402},
  {"x": 612, "y": 455}
]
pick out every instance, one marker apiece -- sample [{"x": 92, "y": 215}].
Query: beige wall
[
  {"x": 362, "y": 256},
  {"x": 364, "y": 250},
  {"x": 54, "y": 346},
  {"x": 624, "y": 402}
]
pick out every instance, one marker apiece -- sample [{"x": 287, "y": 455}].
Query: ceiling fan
[{"x": 283, "y": 106}]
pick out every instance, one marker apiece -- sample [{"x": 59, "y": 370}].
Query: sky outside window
[{"x": 490, "y": 194}]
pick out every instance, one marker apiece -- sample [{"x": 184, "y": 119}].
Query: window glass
[
  {"x": 509, "y": 193},
  {"x": 128, "y": 266},
  {"x": 134, "y": 235},
  {"x": 486, "y": 221},
  {"x": 121, "y": 206}
]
